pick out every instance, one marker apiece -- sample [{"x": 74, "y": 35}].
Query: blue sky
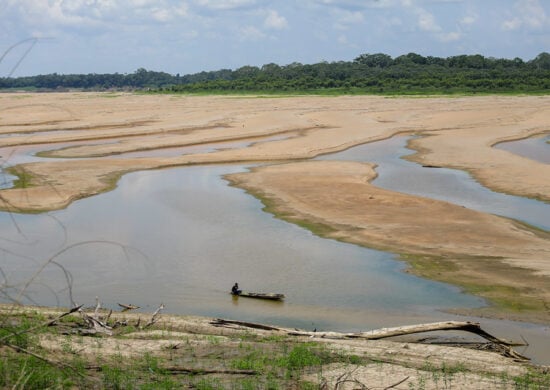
[{"x": 188, "y": 36}]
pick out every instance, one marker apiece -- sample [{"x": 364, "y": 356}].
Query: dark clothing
[{"x": 235, "y": 289}]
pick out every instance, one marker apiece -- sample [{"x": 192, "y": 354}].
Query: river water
[
  {"x": 535, "y": 148},
  {"x": 182, "y": 237}
]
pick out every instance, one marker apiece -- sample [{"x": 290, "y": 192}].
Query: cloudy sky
[{"x": 188, "y": 36}]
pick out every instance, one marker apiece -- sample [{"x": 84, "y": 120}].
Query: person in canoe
[{"x": 235, "y": 289}]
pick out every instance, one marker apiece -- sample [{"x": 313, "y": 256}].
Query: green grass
[
  {"x": 304, "y": 355},
  {"x": 109, "y": 95},
  {"x": 271, "y": 206},
  {"x": 504, "y": 298},
  {"x": 277, "y": 362},
  {"x": 24, "y": 178},
  {"x": 533, "y": 380},
  {"x": 376, "y": 91},
  {"x": 18, "y": 371}
]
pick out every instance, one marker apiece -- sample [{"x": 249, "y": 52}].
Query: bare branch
[{"x": 154, "y": 318}]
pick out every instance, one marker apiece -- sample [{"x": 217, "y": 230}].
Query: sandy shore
[
  {"x": 199, "y": 348},
  {"x": 91, "y": 135}
]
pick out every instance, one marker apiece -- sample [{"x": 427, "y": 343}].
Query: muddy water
[{"x": 190, "y": 236}]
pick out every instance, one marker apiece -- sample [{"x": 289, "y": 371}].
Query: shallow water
[
  {"x": 450, "y": 185},
  {"x": 198, "y": 236},
  {"x": 535, "y": 148},
  {"x": 11, "y": 156},
  {"x": 182, "y": 237}
]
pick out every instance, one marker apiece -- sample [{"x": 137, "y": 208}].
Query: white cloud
[
  {"x": 275, "y": 21},
  {"x": 224, "y": 4},
  {"x": 161, "y": 15},
  {"x": 80, "y": 14},
  {"x": 345, "y": 19},
  {"x": 529, "y": 14},
  {"x": 449, "y": 37},
  {"x": 141, "y": 3},
  {"x": 357, "y": 4},
  {"x": 511, "y": 25},
  {"x": 182, "y": 10},
  {"x": 468, "y": 20},
  {"x": 533, "y": 13},
  {"x": 251, "y": 33},
  {"x": 426, "y": 21},
  {"x": 350, "y": 17},
  {"x": 40, "y": 12}
]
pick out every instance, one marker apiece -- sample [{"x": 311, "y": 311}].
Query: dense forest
[{"x": 368, "y": 73}]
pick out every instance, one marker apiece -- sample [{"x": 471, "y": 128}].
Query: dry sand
[{"x": 488, "y": 255}]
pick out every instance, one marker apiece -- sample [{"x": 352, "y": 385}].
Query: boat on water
[{"x": 269, "y": 296}]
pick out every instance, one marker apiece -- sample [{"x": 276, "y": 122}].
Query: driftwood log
[
  {"x": 377, "y": 334},
  {"x": 127, "y": 307}
]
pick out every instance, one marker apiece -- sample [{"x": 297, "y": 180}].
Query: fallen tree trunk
[
  {"x": 377, "y": 334},
  {"x": 221, "y": 322},
  {"x": 467, "y": 326}
]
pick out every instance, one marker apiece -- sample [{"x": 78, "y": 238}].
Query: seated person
[{"x": 235, "y": 289}]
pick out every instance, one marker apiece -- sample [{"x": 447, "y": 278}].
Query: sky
[{"x": 189, "y": 36}]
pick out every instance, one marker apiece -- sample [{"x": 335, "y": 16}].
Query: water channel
[
  {"x": 182, "y": 237},
  {"x": 536, "y": 148},
  {"x": 450, "y": 185}
]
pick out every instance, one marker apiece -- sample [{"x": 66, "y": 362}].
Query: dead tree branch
[
  {"x": 155, "y": 316},
  {"x": 377, "y": 334}
]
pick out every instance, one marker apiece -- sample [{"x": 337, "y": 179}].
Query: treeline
[
  {"x": 368, "y": 73},
  {"x": 140, "y": 79}
]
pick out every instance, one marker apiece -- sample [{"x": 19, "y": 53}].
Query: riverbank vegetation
[{"x": 367, "y": 74}]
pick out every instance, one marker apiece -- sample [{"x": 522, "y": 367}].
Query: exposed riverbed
[
  {"x": 183, "y": 237},
  {"x": 450, "y": 185}
]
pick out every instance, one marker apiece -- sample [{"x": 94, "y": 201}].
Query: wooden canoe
[{"x": 270, "y": 296}]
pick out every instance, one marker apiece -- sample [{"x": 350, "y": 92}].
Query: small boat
[{"x": 270, "y": 296}]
